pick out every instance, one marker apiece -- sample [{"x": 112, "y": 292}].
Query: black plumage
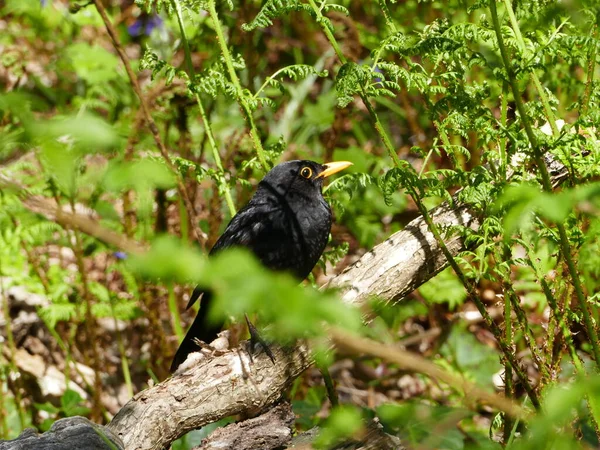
[{"x": 286, "y": 225}]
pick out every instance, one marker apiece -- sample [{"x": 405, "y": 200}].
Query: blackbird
[{"x": 286, "y": 225}]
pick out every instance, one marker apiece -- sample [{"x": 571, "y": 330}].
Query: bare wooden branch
[
  {"x": 410, "y": 257},
  {"x": 402, "y": 263},
  {"x": 211, "y": 390},
  {"x": 265, "y": 432}
]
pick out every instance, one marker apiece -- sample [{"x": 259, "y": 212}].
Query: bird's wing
[{"x": 245, "y": 228}]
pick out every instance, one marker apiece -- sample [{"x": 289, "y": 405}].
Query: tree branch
[{"x": 215, "y": 388}]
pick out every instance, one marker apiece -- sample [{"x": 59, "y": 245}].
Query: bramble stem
[
  {"x": 547, "y": 185},
  {"x": 536, "y": 81}
]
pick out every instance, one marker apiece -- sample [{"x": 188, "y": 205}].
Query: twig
[
  {"x": 52, "y": 211},
  {"x": 346, "y": 341}
]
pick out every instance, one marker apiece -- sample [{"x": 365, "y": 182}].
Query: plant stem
[
  {"x": 90, "y": 323},
  {"x": 329, "y": 385},
  {"x": 381, "y": 131},
  {"x": 387, "y": 16},
  {"x": 207, "y": 127},
  {"x": 322, "y": 21},
  {"x": 176, "y": 318},
  {"x": 200, "y": 237},
  {"x": 240, "y": 95},
  {"x": 585, "y": 102},
  {"x": 503, "y": 122},
  {"x": 123, "y": 352},
  {"x": 471, "y": 291},
  {"x": 536, "y": 81},
  {"x": 508, "y": 373},
  {"x": 547, "y": 185}
]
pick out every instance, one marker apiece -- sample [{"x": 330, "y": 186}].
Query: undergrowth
[{"x": 469, "y": 103}]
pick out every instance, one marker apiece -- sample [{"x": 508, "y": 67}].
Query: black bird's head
[{"x": 301, "y": 177}]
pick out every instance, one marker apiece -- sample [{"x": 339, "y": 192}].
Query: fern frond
[{"x": 273, "y": 9}]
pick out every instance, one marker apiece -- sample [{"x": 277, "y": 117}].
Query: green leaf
[
  {"x": 343, "y": 422},
  {"x": 139, "y": 175},
  {"x": 93, "y": 63},
  {"x": 86, "y": 133},
  {"x": 273, "y": 9},
  {"x": 350, "y": 80},
  {"x": 444, "y": 288}
]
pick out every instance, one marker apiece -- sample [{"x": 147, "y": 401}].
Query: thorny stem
[
  {"x": 207, "y": 127},
  {"x": 471, "y": 291},
  {"x": 568, "y": 339},
  {"x": 536, "y": 81},
  {"x": 199, "y": 235},
  {"x": 474, "y": 297},
  {"x": 508, "y": 373},
  {"x": 561, "y": 324},
  {"x": 511, "y": 296},
  {"x": 585, "y": 101},
  {"x": 547, "y": 185},
  {"x": 241, "y": 96}
]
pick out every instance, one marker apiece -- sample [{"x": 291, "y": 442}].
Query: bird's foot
[
  {"x": 257, "y": 341},
  {"x": 217, "y": 347},
  {"x": 203, "y": 345}
]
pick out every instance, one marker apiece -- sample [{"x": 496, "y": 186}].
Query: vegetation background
[{"x": 157, "y": 120}]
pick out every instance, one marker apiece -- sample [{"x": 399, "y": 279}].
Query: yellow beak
[{"x": 334, "y": 167}]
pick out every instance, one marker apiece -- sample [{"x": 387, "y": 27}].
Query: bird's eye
[{"x": 306, "y": 172}]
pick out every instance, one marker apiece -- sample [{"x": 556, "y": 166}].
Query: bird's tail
[{"x": 201, "y": 329}]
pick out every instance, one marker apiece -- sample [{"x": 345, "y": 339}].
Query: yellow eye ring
[{"x": 306, "y": 172}]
